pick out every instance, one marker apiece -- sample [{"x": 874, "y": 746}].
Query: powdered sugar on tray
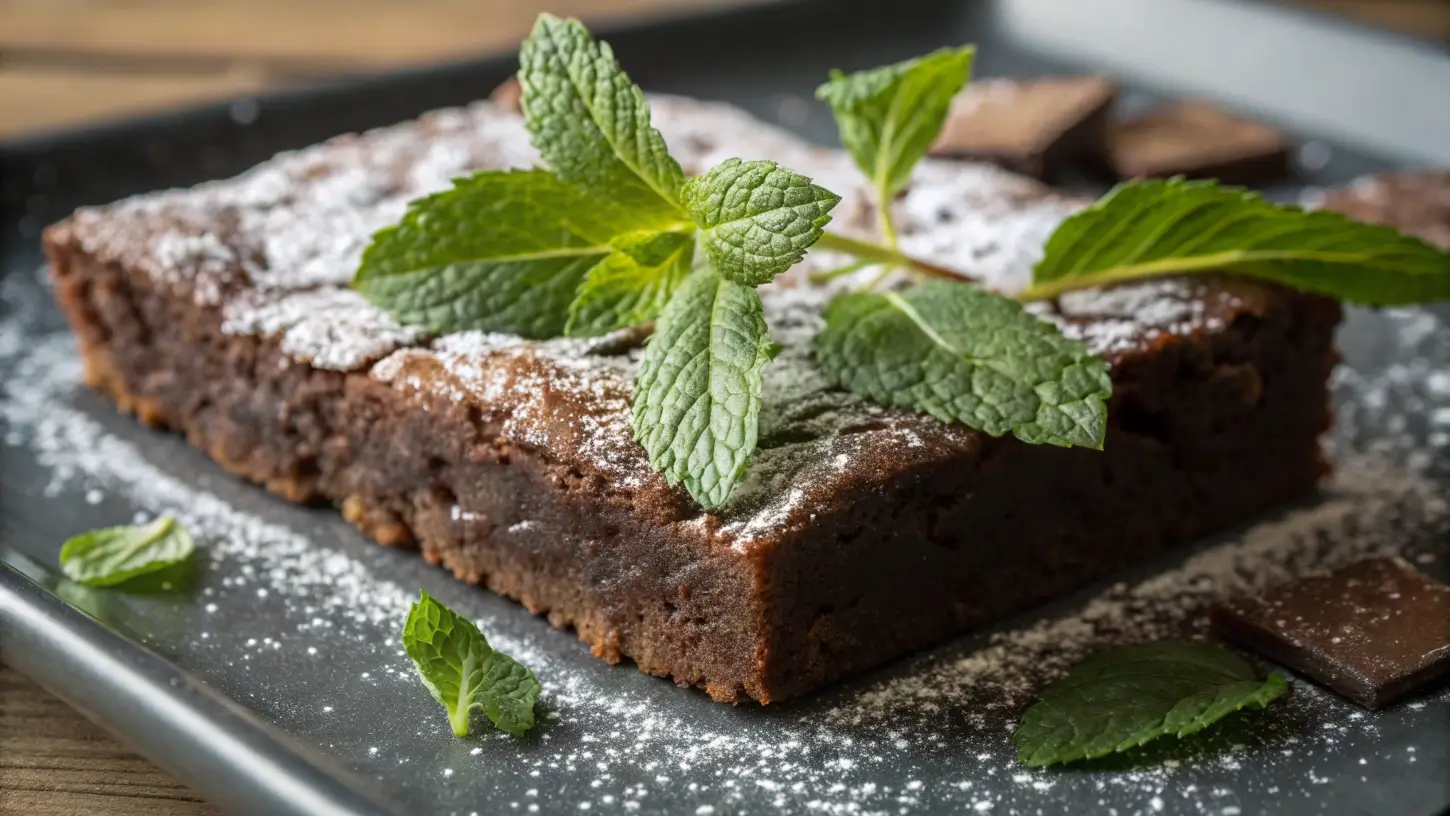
[{"x": 932, "y": 735}]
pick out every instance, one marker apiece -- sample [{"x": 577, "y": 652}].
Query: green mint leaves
[
  {"x": 966, "y": 355},
  {"x": 117, "y": 554},
  {"x": 1124, "y": 697},
  {"x": 591, "y": 123},
  {"x": 697, "y": 402},
  {"x": 757, "y": 219},
  {"x": 632, "y": 284},
  {"x": 463, "y": 672},
  {"x": 1155, "y": 228},
  {"x": 888, "y": 117},
  {"x": 500, "y": 251}
]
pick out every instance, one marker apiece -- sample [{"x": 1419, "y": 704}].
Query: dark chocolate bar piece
[
  {"x": 1412, "y": 201},
  {"x": 1029, "y": 126},
  {"x": 1200, "y": 140},
  {"x": 1372, "y": 631}
]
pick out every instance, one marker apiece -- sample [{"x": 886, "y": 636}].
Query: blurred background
[{"x": 64, "y": 63}]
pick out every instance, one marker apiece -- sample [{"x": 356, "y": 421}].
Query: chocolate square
[
  {"x": 1200, "y": 140},
  {"x": 1029, "y": 126},
  {"x": 1412, "y": 201},
  {"x": 1373, "y": 631}
]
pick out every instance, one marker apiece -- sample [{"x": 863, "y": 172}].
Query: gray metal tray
[{"x": 275, "y": 683}]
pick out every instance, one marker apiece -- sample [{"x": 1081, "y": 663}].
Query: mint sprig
[
  {"x": 1156, "y": 228},
  {"x": 1126, "y": 696},
  {"x": 966, "y": 355},
  {"x": 463, "y": 673},
  {"x": 757, "y": 219},
  {"x": 591, "y": 123},
  {"x": 607, "y": 239},
  {"x": 888, "y": 117},
  {"x": 697, "y": 402},
  {"x": 115, "y": 555}
]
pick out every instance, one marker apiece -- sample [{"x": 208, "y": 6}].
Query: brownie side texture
[{"x": 862, "y": 532}]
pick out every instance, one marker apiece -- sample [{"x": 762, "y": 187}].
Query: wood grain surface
[{"x": 64, "y": 63}]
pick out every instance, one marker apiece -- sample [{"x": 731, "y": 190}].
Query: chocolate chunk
[
  {"x": 508, "y": 96},
  {"x": 1032, "y": 126},
  {"x": 1201, "y": 140},
  {"x": 1412, "y": 201},
  {"x": 1373, "y": 631}
]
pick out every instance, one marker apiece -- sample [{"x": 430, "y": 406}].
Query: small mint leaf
[
  {"x": 1153, "y": 228},
  {"x": 632, "y": 284},
  {"x": 697, "y": 400},
  {"x": 591, "y": 123},
  {"x": 756, "y": 218},
  {"x": 500, "y": 251},
  {"x": 965, "y": 355},
  {"x": 118, "y": 554},
  {"x": 1124, "y": 697},
  {"x": 462, "y": 672},
  {"x": 888, "y": 117}
]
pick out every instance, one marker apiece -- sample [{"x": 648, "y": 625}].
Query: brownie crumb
[
  {"x": 1031, "y": 127},
  {"x": 1373, "y": 631},
  {"x": 1200, "y": 140}
]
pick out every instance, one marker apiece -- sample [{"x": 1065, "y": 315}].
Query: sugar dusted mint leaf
[
  {"x": 697, "y": 399},
  {"x": 1154, "y": 228},
  {"x": 632, "y": 284},
  {"x": 591, "y": 123},
  {"x": 118, "y": 554},
  {"x": 888, "y": 117},
  {"x": 463, "y": 672},
  {"x": 965, "y": 355},
  {"x": 500, "y": 251},
  {"x": 756, "y": 218},
  {"x": 1124, "y": 697}
]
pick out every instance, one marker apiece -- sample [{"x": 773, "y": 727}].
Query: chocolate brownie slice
[{"x": 861, "y": 533}]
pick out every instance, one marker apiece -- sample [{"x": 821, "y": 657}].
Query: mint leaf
[
  {"x": 118, "y": 554},
  {"x": 1154, "y": 228},
  {"x": 965, "y": 355},
  {"x": 697, "y": 399},
  {"x": 757, "y": 219},
  {"x": 1124, "y": 697},
  {"x": 463, "y": 672},
  {"x": 632, "y": 284},
  {"x": 591, "y": 123},
  {"x": 889, "y": 116},
  {"x": 501, "y": 251}
]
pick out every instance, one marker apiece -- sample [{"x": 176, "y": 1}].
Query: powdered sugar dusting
[{"x": 930, "y": 736}]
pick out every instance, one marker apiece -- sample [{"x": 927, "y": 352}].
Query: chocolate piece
[
  {"x": 1373, "y": 631},
  {"x": 1030, "y": 127},
  {"x": 508, "y": 96},
  {"x": 861, "y": 533},
  {"x": 1412, "y": 201},
  {"x": 1200, "y": 140}
]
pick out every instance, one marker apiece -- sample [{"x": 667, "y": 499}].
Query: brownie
[
  {"x": 1373, "y": 631},
  {"x": 1200, "y": 140},
  {"x": 1030, "y": 127},
  {"x": 1413, "y": 201},
  {"x": 861, "y": 532}
]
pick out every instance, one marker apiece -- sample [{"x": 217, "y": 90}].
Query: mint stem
[{"x": 880, "y": 253}]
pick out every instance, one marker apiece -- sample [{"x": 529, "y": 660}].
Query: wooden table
[{"x": 67, "y": 62}]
